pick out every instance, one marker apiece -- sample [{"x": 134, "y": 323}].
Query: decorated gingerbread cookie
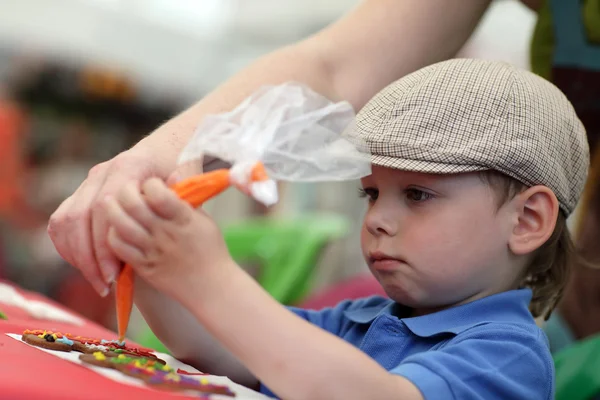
[
  {"x": 171, "y": 380},
  {"x": 49, "y": 340},
  {"x": 135, "y": 354},
  {"x": 100, "y": 359},
  {"x": 113, "y": 351},
  {"x": 111, "y": 348},
  {"x": 90, "y": 348},
  {"x": 154, "y": 374}
]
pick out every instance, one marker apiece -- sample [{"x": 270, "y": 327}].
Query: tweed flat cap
[{"x": 466, "y": 115}]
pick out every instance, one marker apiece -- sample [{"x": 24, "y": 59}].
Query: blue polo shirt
[{"x": 487, "y": 349}]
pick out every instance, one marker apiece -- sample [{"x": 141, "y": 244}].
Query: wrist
[
  {"x": 164, "y": 154},
  {"x": 167, "y": 141},
  {"x": 176, "y": 132}
]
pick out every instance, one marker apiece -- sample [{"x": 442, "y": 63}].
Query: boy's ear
[{"x": 536, "y": 212}]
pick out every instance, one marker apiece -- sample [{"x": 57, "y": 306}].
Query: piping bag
[{"x": 285, "y": 132}]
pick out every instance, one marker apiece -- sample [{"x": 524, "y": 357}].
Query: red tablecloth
[{"x": 27, "y": 373}]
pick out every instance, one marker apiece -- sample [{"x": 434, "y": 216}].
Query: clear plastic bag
[{"x": 296, "y": 133}]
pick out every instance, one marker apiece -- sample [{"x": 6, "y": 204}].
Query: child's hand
[{"x": 164, "y": 239}]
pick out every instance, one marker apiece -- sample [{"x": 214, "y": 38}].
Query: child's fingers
[
  {"x": 128, "y": 228},
  {"x": 130, "y": 199},
  {"x": 164, "y": 202},
  {"x": 125, "y": 251}
]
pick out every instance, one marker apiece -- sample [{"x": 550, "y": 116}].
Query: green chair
[
  {"x": 578, "y": 370},
  {"x": 286, "y": 252}
]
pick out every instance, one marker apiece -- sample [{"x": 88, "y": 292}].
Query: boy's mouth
[{"x": 383, "y": 262}]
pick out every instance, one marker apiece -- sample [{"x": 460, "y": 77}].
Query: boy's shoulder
[
  {"x": 492, "y": 346},
  {"x": 496, "y": 360}
]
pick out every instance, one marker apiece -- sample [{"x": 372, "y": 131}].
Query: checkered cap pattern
[{"x": 466, "y": 115}]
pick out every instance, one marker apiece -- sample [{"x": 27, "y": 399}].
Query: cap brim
[{"x": 426, "y": 167}]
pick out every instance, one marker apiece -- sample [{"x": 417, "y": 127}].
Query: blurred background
[{"x": 82, "y": 80}]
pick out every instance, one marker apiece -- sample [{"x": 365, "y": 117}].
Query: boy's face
[{"x": 434, "y": 241}]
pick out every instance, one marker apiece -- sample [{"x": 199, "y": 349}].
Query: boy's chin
[
  {"x": 411, "y": 297},
  {"x": 400, "y": 294}
]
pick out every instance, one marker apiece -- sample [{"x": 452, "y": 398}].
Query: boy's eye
[
  {"x": 371, "y": 193},
  {"x": 417, "y": 195}
]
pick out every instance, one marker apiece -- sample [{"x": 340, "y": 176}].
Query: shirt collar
[{"x": 511, "y": 306}]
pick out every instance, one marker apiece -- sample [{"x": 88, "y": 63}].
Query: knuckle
[
  {"x": 97, "y": 170},
  {"x": 54, "y": 224},
  {"x": 100, "y": 203},
  {"x": 99, "y": 214},
  {"x": 59, "y": 220},
  {"x": 150, "y": 260},
  {"x": 123, "y": 160},
  {"x": 150, "y": 265}
]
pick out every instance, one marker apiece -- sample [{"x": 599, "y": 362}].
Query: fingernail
[
  {"x": 111, "y": 276},
  {"x": 101, "y": 289},
  {"x": 110, "y": 273}
]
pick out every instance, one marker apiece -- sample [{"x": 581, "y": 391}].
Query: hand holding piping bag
[
  {"x": 195, "y": 190},
  {"x": 285, "y": 132}
]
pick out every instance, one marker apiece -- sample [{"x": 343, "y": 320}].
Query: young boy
[{"x": 476, "y": 166}]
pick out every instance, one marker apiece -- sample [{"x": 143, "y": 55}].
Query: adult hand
[{"x": 79, "y": 227}]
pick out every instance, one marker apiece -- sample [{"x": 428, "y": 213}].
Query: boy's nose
[{"x": 381, "y": 220}]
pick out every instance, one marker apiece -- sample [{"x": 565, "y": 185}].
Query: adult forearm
[{"x": 294, "y": 63}]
